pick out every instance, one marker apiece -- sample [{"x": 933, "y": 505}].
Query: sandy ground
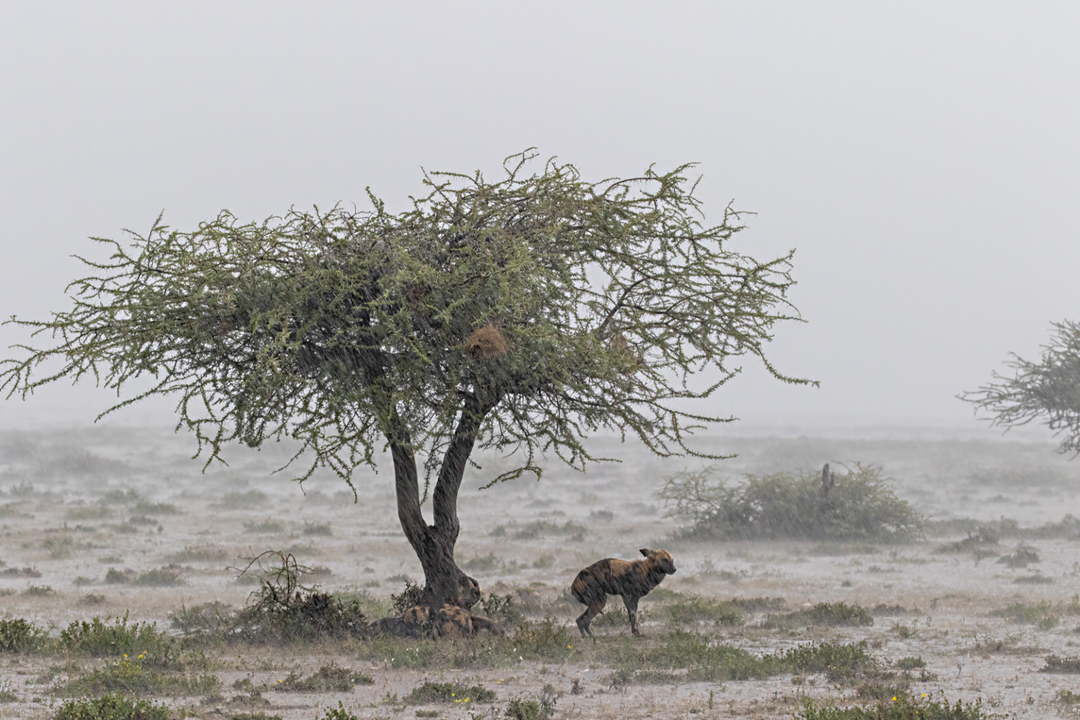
[{"x": 53, "y": 481}]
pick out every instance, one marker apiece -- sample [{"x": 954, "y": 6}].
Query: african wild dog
[{"x": 632, "y": 580}]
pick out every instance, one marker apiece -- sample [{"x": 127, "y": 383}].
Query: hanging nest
[
  {"x": 622, "y": 347},
  {"x": 486, "y": 343}
]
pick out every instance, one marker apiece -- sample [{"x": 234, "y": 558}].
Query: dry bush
[{"x": 800, "y": 505}]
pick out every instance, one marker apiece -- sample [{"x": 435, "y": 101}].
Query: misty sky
[{"x": 923, "y": 158}]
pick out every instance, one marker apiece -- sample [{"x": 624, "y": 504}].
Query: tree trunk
[{"x": 444, "y": 581}]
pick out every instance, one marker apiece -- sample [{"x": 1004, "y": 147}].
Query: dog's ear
[{"x": 645, "y": 552}]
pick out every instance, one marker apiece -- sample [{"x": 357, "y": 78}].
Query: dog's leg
[
  {"x": 586, "y": 618},
  {"x": 631, "y": 609}
]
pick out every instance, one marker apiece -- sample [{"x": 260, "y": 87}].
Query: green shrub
[
  {"x": 112, "y": 706},
  {"x": 857, "y": 505},
  {"x": 692, "y": 609},
  {"x": 135, "y": 676},
  {"x": 898, "y": 707},
  {"x": 284, "y": 610},
  {"x": 436, "y": 692},
  {"x": 539, "y": 709},
  {"x": 18, "y": 635},
  {"x": 328, "y": 678},
  {"x": 102, "y": 639},
  {"x": 160, "y": 577},
  {"x": 338, "y": 713},
  {"x": 828, "y": 614}
]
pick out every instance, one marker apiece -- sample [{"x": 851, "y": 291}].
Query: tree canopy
[
  {"x": 545, "y": 305},
  {"x": 1047, "y": 390},
  {"x": 520, "y": 314}
]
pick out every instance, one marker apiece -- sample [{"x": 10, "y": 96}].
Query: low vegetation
[{"x": 803, "y": 505}]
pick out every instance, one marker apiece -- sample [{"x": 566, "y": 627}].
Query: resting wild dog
[{"x": 632, "y": 580}]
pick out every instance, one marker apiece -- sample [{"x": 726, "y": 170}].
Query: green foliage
[
  {"x": 539, "y": 709},
  {"x": 407, "y": 598},
  {"x": 857, "y": 505},
  {"x": 160, "y": 577},
  {"x": 136, "y": 675},
  {"x": 1055, "y": 664},
  {"x": 692, "y": 609},
  {"x": 338, "y": 713},
  {"x": 112, "y": 706},
  {"x": 328, "y": 678},
  {"x": 437, "y": 692},
  {"x": 18, "y": 635},
  {"x": 283, "y": 610},
  {"x": 830, "y": 614},
  {"x": 1047, "y": 391},
  {"x": 543, "y": 306},
  {"x": 899, "y": 707},
  {"x": 97, "y": 638},
  {"x": 500, "y": 608}
]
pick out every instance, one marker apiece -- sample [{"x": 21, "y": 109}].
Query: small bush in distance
[
  {"x": 803, "y": 505},
  {"x": 329, "y": 678},
  {"x": 897, "y": 707},
  {"x": 338, "y": 713},
  {"x": 112, "y": 706},
  {"x": 828, "y": 614},
  {"x": 436, "y": 692}
]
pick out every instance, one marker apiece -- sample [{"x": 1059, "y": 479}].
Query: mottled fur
[{"x": 631, "y": 580}]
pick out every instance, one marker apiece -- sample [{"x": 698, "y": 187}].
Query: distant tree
[
  {"x": 520, "y": 315},
  {"x": 1046, "y": 391}
]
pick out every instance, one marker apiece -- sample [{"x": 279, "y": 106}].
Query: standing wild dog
[{"x": 632, "y": 580}]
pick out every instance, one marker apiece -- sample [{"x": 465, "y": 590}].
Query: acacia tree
[
  {"x": 1047, "y": 390},
  {"x": 521, "y": 314}
]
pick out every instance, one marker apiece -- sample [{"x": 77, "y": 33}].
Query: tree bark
[{"x": 444, "y": 582}]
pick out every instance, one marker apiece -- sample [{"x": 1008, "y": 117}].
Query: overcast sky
[{"x": 923, "y": 158}]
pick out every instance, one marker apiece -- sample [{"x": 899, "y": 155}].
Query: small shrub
[
  {"x": 539, "y": 709},
  {"x": 1055, "y": 664},
  {"x": 839, "y": 663},
  {"x": 483, "y": 563},
  {"x": 317, "y": 529},
  {"x": 90, "y": 512},
  {"x": 828, "y": 614},
  {"x": 897, "y": 707},
  {"x": 149, "y": 508},
  {"x": 1024, "y": 556},
  {"x": 911, "y": 663},
  {"x": 407, "y": 598},
  {"x": 199, "y": 553},
  {"x": 857, "y": 505},
  {"x": 213, "y": 617},
  {"x": 121, "y": 497},
  {"x": 328, "y": 678},
  {"x": 266, "y": 527},
  {"x": 118, "y": 577},
  {"x": 112, "y": 706},
  {"x": 284, "y": 610},
  {"x": 97, "y": 638},
  {"x": 59, "y": 546},
  {"x": 18, "y": 635},
  {"x": 692, "y": 609},
  {"x": 160, "y": 577},
  {"x": 500, "y": 608},
  {"x": 39, "y": 591},
  {"x": 338, "y": 713},
  {"x": 540, "y": 528},
  {"x": 133, "y": 676},
  {"x": 435, "y": 692},
  {"x": 244, "y": 500}
]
